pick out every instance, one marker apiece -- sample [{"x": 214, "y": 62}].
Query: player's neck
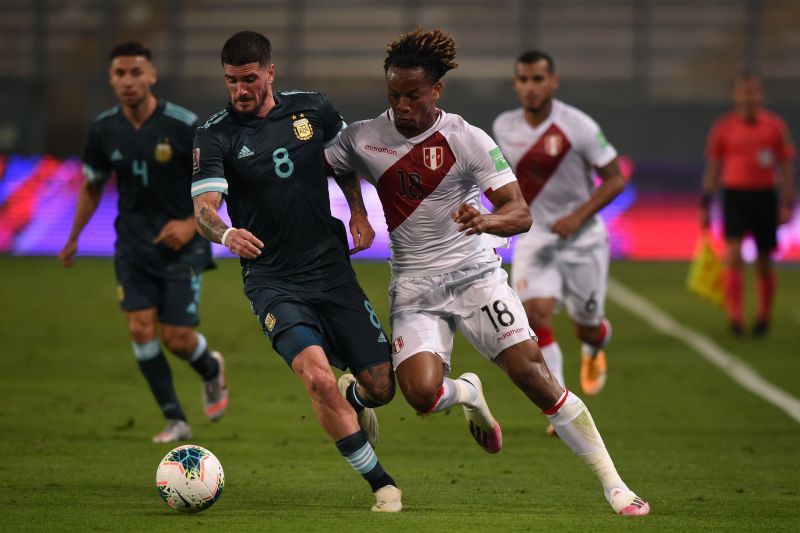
[
  {"x": 748, "y": 114},
  {"x": 535, "y": 117},
  {"x": 266, "y": 107},
  {"x": 138, "y": 115}
]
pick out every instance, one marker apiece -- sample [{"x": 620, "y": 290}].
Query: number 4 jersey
[
  {"x": 271, "y": 171},
  {"x": 153, "y": 169},
  {"x": 421, "y": 181}
]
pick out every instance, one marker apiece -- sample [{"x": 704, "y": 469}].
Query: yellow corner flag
[{"x": 705, "y": 272}]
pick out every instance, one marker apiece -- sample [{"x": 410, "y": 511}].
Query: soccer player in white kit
[
  {"x": 429, "y": 168},
  {"x": 553, "y": 149}
]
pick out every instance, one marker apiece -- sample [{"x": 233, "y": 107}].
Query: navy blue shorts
[
  {"x": 351, "y": 333},
  {"x": 176, "y": 296}
]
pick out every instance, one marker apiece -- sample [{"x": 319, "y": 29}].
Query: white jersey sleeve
[
  {"x": 480, "y": 157},
  {"x": 340, "y": 153},
  {"x": 591, "y": 143}
]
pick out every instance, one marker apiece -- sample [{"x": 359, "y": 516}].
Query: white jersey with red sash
[{"x": 421, "y": 181}]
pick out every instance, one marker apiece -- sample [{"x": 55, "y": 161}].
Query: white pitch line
[{"x": 734, "y": 367}]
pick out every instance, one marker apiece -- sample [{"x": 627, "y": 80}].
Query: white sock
[
  {"x": 555, "y": 361},
  {"x": 592, "y": 350},
  {"x": 575, "y": 427},
  {"x": 455, "y": 391}
]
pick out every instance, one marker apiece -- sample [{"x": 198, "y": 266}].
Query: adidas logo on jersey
[
  {"x": 245, "y": 152},
  {"x": 116, "y": 155},
  {"x": 382, "y": 338}
]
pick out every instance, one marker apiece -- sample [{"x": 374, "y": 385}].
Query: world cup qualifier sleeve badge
[{"x": 302, "y": 127}]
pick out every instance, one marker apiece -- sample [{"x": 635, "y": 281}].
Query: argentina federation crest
[
  {"x": 433, "y": 157},
  {"x": 302, "y": 127},
  {"x": 163, "y": 151}
]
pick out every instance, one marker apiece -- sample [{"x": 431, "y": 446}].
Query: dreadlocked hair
[{"x": 432, "y": 51}]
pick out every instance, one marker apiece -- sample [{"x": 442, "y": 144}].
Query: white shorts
[
  {"x": 574, "y": 272},
  {"x": 426, "y": 312}
]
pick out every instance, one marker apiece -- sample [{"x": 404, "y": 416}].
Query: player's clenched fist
[
  {"x": 470, "y": 220},
  {"x": 243, "y": 243}
]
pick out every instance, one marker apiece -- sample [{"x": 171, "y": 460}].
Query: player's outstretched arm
[
  {"x": 360, "y": 228},
  {"x": 88, "y": 200},
  {"x": 239, "y": 241},
  {"x": 612, "y": 186},
  {"x": 511, "y": 215}
]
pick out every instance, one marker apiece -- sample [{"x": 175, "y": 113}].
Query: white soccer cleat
[
  {"x": 175, "y": 430},
  {"x": 482, "y": 425},
  {"x": 367, "y": 419},
  {"x": 627, "y": 503},
  {"x": 388, "y": 500},
  {"x": 215, "y": 392}
]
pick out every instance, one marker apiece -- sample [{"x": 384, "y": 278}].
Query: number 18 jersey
[{"x": 421, "y": 181}]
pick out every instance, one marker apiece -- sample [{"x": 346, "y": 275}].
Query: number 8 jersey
[
  {"x": 421, "y": 181},
  {"x": 272, "y": 173}
]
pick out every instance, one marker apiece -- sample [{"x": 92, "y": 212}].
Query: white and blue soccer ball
[{"x": 190, "y": 479}]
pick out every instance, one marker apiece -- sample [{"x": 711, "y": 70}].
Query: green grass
[{"x": 76, "y": 418}]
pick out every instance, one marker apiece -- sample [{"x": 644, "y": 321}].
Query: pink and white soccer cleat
[
  {"x": 627, "y": 503},
  {"x": 482, "y": 425}
]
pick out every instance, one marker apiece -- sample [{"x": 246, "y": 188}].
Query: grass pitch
[{"x": 76, "y": 418}]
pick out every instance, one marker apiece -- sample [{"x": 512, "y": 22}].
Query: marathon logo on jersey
[
  {"x": 196, "y": 161},
  {"x": 397, "y": 345},
  {"x": 433, "y": 157},
  {"x": 553, "y": 145},
  {"x": 163, "y": 151},
  {"x": 510, "y": 333},
  {"x": 302, "y": 127},
  {"x": 269, "y": 321},
  {"x": 380, "y": 149}
]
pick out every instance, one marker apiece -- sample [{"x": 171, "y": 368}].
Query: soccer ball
[{"x": 190, "y": 479}]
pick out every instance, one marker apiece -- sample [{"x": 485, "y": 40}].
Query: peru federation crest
[
  {"x": 552, "y": 145},
  {"x": 302, "y": 127},
  {"x": 433, "y": 157}
]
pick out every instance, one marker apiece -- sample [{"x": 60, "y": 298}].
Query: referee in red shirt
[{"x": 745, "y": 148}]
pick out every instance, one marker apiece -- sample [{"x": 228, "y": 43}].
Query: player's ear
[
  {"x": 437, "y": 89},
  {"x": 556, "y": 81},
  {"x": 271, "y": 73}
]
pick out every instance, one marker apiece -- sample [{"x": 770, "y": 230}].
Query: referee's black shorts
[{"x": 754, "y": 212}]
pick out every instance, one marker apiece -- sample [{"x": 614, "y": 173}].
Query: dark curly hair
[{"x": 432, "y": 51}]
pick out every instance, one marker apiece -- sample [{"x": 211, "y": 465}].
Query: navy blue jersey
[
  {"x": 272, "y": 172},
  {"x": 153, "y": 169}
]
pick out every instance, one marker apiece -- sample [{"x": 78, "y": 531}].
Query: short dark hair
[
  {"x": 431, "y": 51},
  {"x": 131, "y": 48},
  {"x": 534, "y": 56},
  {"x": 246, "y": 47}
]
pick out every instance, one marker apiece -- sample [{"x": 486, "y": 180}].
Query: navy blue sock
[
  {"x": 201, "y": 360},
  {"x": 159, "y": 376},
  {"x": 357, "y": 401},
  {"x": 357, "y": 451}
]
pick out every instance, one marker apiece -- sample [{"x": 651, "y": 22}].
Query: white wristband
[{"x": 225, "y": 235}]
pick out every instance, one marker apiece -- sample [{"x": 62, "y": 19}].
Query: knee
[
  {"x": 421, "y": 396},
  {"x": 378, "y": 384},
  {"x": 588, "y": 334},
  {"x": 141, "y": 331},
  {"x": 321, "y": 384},
  {"x": 180, "y": 341}
]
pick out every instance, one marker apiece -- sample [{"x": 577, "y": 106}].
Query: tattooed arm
[
  {"x": 360, "y": 228},
  {"x": 239, "y": 241}
]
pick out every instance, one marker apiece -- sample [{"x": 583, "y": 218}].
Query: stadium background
[
  {"x": 653, "y": 73},
  {"x": 710, "y": 446}
]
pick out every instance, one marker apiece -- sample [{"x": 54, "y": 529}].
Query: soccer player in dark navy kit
[
  {"x": 159, "y": 257},
  {"x": 264, "y": 153}
]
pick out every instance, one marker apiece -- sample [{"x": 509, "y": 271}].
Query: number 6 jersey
[{"x": 421, "y": 181}]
